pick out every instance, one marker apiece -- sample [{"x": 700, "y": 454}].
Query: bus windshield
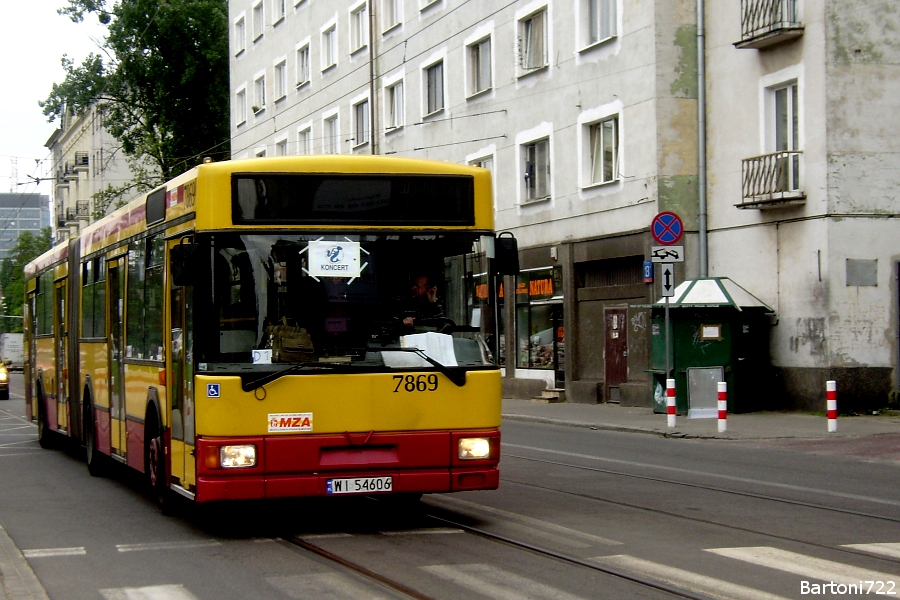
[{"x": 331, "y": 300}]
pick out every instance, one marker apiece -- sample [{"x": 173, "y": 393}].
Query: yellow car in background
[{"x": 4, "y": 382}]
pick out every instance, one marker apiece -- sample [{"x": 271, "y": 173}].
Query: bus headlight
[
  {"x": 474, "y": 448},
  {"x": 235, "y": 457},
  {"x": 4, "y": 375}
]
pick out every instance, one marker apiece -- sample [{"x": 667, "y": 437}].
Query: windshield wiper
[
  {"x": 249, "y": 386},
  {"x": 455, "y": 374}
]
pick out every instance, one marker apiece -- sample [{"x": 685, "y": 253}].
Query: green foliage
[
  {"x": 164, "y": 86},
  {"x": 28, "y": 247}
]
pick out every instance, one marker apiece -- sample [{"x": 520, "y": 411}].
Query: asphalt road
[{"x": 580, "y": 514}]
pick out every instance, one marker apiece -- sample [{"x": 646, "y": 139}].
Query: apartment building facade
[
  {"x": 584, "y": 110},
  {"x": 85, "y": 160},
  {"x": 804, "y": 163}
]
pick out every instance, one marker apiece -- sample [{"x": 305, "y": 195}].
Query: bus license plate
[{"x": 359, "y": 485}]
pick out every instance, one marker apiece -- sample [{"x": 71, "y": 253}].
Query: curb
[
  {"x": 657, "y": 432},
  {"x": 17, "y": 580}
]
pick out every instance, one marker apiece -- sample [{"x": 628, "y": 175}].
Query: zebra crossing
[{"x": 492, "y": 581}]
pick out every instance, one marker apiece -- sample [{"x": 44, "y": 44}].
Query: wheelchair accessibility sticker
[{"x": 212, "y": 390}]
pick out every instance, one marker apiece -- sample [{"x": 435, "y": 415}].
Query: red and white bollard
[
  {"x": 723, "y": 406},
  {"x": 831, "y": 396},
  {"x": 670, "y": 401}
]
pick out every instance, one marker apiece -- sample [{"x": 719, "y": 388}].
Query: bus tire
[
  {"x": 96, "y": 460},
  {"x": 4, "y": 395},
  {"x": 46, "y": 436},
  {"x": 155, "y": 463}
]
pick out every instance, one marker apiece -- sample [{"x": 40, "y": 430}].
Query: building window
[
  {"x": 281, "y": 147},
  {"x": 601, "y": 22},
  {"x": 533, "y": 41},
  {"x": 280, "y": 11},
  {"x": 304, "y": 140},
  {"x": 280, "y": 80},
  {"x": 605, "y": 150},
  {"x": 434, "y": 84},
  {"x": 391, "y": 13},
  {"x": 359, "y": 28},
  {"x": 240, "y": 106},
  {"x": 361, "y": 123},
  {"x": 537, "y": 170},
  {"x": 302, "y": 65},
  {"x": 260, "y": 153},
  {"x": 259, "y": 23},
  {"x": 486, "y": 162},
  {"x": 480, "y": 66},
  {"x": 394, "y": 105},
  {"x": 259, "y": 94},
  {"x": 240, "y": 35},
  {"x": 332, "y": 133},
  {"x": 786, "y": 129},
  {"x": 329, "y": 47}
]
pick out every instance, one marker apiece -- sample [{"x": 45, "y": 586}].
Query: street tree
[
  {"x": 27, "y": 248},
  {"x": 161, "y": 81}
]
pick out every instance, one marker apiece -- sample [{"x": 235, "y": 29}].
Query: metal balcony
[
  {"x": 772, "y": 180},
  {"x": 765, "y": 23}
]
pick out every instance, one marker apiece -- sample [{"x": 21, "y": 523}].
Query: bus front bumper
[{"x": 293, "y": 467}]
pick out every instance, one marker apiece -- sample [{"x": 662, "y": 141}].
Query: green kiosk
[{"x": 719, "y": 332}]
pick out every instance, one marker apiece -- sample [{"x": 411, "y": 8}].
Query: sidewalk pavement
[{"x": 747, "y": 426}]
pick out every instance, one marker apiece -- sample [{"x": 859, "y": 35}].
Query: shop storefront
[{"x": 540, "y": 334}]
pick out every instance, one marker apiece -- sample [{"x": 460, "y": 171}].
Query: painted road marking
[
  {"x": 166, "y": 545},
  {"x": 686, "y": 580},
  {"x": 800, "y": 564},
  {"x": 323, "y": 536},
  {"x": 630, "y": 463},
  {"x": 486, "y": 580},
  {"x": 154, "y": 592},
  {"x": 430, "y": 531},
  {"x": 331, "y": 586},
  {"x": 891, "y": 550},
  {"x": 457, "y": 502},
  {"x": 46, "y": 552}
]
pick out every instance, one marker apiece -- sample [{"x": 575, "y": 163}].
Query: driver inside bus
[{"x": 422, "y": 303}]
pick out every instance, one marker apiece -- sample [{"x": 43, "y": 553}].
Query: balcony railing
[
  {"x": 768, "y": 22},
  {"x": 772, "y": 180}
]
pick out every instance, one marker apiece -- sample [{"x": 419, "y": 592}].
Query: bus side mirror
[
  {"x": 506, "y": 260},
  {"x": 182, "y": 260}
]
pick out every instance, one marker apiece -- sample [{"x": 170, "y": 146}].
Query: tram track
[
  {"x": 658, "y": 511},
  {"x": 428, "y": 512}
]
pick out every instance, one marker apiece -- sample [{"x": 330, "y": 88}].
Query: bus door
[
  {"x": 116, "y": 282},
  {"x": 62, "y": 371},
  {"x": 181, "y": 387},
  {"x": 29, "y": 370}
]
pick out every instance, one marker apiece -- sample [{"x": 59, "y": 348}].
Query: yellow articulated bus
[{"x": 280, "y": 327}]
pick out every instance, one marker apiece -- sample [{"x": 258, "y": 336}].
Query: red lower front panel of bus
[{"x": 289, "y": 467}]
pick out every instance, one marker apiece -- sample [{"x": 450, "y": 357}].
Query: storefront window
[{"x": 540, "y": 336}]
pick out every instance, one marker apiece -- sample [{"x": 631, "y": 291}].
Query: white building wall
[{"x": 795, "y": 257}]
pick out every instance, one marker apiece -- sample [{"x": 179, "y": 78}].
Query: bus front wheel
[{"x": 155, "y": 463}]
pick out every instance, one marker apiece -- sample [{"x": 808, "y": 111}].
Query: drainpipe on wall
[
  {"x": 701, "y": 138},
  {"x": 373, "y": 138}
]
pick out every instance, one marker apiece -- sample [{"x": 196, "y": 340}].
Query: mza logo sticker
[
  {"x": 212, "y": 390},
  {"x": 290, "y": 422}
]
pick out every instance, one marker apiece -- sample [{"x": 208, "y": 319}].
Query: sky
[{"x": 33, "y": 38}]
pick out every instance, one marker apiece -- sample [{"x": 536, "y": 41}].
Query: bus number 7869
[{"x": 416, "y": 383}]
